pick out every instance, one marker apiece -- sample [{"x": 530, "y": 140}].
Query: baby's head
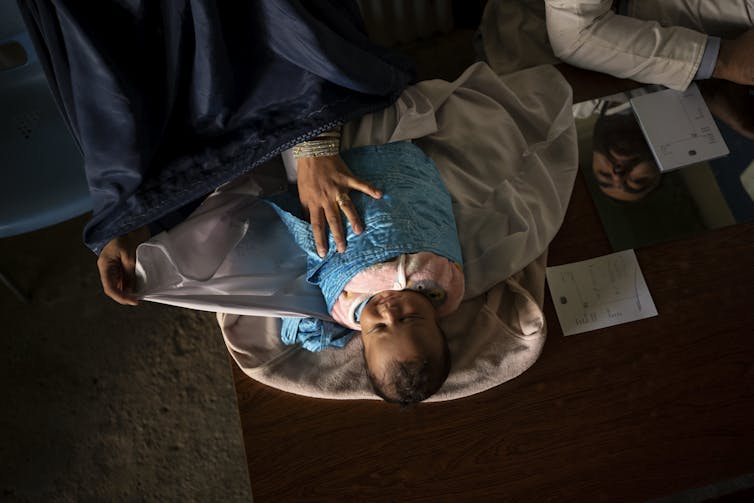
[{"x": 405, "y": 351}]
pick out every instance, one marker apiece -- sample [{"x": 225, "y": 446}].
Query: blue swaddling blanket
[{"x": 415, "y": 214}]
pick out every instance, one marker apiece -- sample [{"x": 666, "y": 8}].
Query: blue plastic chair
[{"x": 42, "y": 179}]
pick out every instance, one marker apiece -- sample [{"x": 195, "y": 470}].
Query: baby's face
[{"x": 399, "y": 326}]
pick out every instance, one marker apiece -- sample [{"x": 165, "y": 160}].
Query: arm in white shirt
[{"x": 588, "y": 34}]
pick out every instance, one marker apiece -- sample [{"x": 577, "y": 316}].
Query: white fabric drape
[{"x": 506, "y": 148}]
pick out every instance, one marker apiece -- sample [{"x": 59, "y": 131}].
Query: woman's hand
[
  {"x": 117, "y": 265},
  {"x": 323, "y": 185}
]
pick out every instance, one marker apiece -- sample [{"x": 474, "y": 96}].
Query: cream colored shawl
[{"x": 506, "y": 148}]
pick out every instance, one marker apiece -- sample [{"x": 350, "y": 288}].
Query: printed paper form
[
  {"x": 679, "y": 127},
  {"x": 599, "y": 292}
]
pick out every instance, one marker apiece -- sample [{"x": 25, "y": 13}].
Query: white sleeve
[{"x": 588, "y": 34}]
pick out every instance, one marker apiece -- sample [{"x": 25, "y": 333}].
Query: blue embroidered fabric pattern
[{"x": 415, "y": 214}]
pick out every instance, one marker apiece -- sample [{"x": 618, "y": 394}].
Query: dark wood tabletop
[{"x": 627, "y": 413}]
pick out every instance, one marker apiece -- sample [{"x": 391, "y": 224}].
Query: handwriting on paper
[{"x": 599, "y": 292}]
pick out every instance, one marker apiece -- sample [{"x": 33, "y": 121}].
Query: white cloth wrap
[{"x": 506, "y": 148}]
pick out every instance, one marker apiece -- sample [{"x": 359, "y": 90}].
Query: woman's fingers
[
  {"x": 335, "y": 221},
  {"x": 114, "y": 281},
  {"x": 319, "y": 229},
  {"x": 128, "y": 262},
  {"x": 330, "y": 218},
  {"x": 117, "y": 263},
  {"x": 349, "y": 210},
  {"x": 322, "y": 219},
  {"x": 324, "y": 184},
  {"x": 347, "y": 205},
  {"x": 368, "y": 189}
]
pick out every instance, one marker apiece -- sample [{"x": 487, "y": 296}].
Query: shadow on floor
[{"x": 104, "y": 402}]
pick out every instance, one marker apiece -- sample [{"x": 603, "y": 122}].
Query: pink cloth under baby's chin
[{"x": 433, "y": 275}]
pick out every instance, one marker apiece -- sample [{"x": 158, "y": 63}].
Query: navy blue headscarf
[{"x": 169, "y": 99}]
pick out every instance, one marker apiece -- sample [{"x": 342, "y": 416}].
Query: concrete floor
[{"x": 104, "y": 402}]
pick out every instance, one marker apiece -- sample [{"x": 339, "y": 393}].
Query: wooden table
[{"x": 626, "y": 413}]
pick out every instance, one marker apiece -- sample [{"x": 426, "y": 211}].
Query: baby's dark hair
[{"x": 410, "y": 382}]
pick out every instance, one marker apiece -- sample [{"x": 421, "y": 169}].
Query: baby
[
  {"x": 397, "y": 305},
  {"x": 394, "y": 280}
]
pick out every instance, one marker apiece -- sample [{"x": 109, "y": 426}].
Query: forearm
[{"x": 594, "y": 37}]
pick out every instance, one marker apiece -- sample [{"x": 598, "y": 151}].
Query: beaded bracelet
[
  {"x": 317, "y": 148},
  {"x": 325, "y": 144}
]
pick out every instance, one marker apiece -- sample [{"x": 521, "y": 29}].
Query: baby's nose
[{"x": 389, "y": 311}]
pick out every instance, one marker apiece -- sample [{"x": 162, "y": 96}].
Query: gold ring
[{"x": 341, "y": 199}]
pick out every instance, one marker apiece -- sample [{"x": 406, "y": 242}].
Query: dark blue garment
[{"x": 169, "y": 99}]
